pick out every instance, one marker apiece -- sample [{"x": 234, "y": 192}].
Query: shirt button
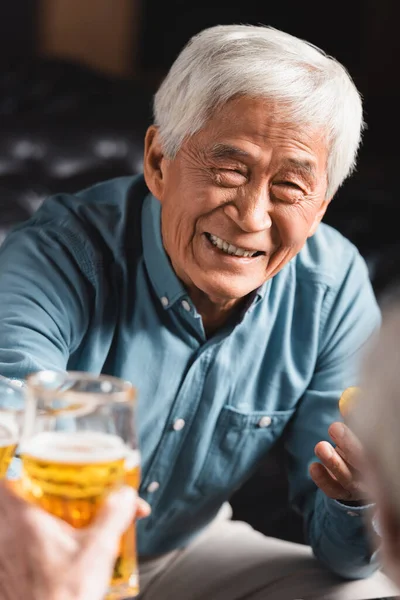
[
  {"x": 153, "y": 487},
  {"x": 186, "y": 305},
  {"x": 164, "y": 301},
  {"x": 264, "y": 422},
  {"x": 179, "y": 424},
  {"x": 351, "y": 513}
]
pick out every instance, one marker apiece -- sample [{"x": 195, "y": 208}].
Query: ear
[
  {"x": 318, "y": 217},
  {"x": 154, "y": 162}
]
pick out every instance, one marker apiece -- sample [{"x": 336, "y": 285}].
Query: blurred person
[
  {"x": 375, "y": 418},
  {"x": 210, "y": 282},
  {"x": 44, "y": 558}
]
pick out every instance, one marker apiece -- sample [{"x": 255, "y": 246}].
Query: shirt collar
[
  {"x": 165, "y": 282},
  {"x": 260, "y": 292}
]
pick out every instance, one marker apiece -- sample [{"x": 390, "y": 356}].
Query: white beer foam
[
  {"x": 8, "y": 430},
  {"x": 78, "y": 447}
]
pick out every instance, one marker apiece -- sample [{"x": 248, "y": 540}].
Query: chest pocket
[{"x": 240, "y": 441}]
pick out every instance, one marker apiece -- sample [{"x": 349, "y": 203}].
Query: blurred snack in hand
[{"x": 347, "y": 399}]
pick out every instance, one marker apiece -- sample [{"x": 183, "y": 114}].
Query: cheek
[
  {"x": 293, "y": 224},
  {"x": 177, "y": 230},
  {"x": 180, "y": 219},
  {"x": 191, "y": 208}
]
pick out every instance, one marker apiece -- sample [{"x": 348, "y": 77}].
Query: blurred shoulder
[{"x": 99, "y": 214}]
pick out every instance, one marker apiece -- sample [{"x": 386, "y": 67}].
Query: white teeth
[
  {"x": 230, "y": 248},
  {"x": 217, "y": 242}
]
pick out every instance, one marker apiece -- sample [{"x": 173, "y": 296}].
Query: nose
[{"x": 251, "y": 212}]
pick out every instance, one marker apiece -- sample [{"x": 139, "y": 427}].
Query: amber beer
[
  {"x": 8, "y": 443},
  {"x": 348, "y": 399},
  {"x": 69, "y": 474},
  {"x": 12, "y": 409}
]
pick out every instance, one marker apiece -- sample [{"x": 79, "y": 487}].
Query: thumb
[
  {"x": 95, "y": 562},
  {"x": 113, "y": 519}
]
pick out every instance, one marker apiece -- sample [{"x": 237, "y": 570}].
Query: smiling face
[{"x": 240, "y": 198}]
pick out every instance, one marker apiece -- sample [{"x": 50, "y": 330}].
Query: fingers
[
  {"x": 338, "y": 479},
  {"x": 32, "y": 520},
  {"x": 114, "y": 517},
  {"x": 143, "y": 509},
  {"x": 347, "y": 444},
  {"x": 95, "y": 562},
  {"x": 335, "y": 464},
  {"x": 9, "y": 496},
  {"x": 325, "y": 481}
]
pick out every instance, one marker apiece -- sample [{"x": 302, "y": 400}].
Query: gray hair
[
  {"x": 375, "y": 418},
  {"x": 221, "y": 62}
]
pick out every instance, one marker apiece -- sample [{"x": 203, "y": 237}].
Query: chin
[{"x": 227, "y": 290}]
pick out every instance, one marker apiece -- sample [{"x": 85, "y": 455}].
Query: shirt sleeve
[
  {"x": 45, "y": 298},
  {"x": 337, "y": 534}
]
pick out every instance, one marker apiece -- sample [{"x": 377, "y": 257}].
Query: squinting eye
[
  {"x": 233, "y": 172},
  {"x": 287, "y": 191},
  {"x": 230, "y": 177},
  {"x": 289, "y": 184}
]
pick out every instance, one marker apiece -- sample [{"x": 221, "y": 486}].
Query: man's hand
[
  {"x": 44, "y": 558},
  {"x": 339, "y": 474}
]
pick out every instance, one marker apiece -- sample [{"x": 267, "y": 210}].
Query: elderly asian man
[{"x": 210, "y": 282}]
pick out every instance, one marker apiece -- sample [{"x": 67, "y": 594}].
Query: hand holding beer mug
[
  {"x": 79, "y": 443},
  {"x": 12, "y": 404}
]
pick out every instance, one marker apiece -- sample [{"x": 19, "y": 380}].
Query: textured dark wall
[{"x": 17, "y": 30}]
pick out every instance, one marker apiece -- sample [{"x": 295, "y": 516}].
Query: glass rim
[
  {"x": 12, "y": 383},
  {"x": 16, "y": 404},
  {"x": 124, "y": 393}
]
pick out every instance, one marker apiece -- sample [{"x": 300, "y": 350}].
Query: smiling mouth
[{"x": 231, "y": 249}]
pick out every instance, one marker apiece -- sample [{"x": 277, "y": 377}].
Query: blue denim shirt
[{"x": 85, "y": 284}]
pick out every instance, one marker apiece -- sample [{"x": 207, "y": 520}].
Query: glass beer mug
[
  {"x": 79, "y": 443},
  {"x": 12, "y": 405}
]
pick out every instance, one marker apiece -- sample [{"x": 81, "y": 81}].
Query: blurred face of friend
[{"x": 240, "y": 198}]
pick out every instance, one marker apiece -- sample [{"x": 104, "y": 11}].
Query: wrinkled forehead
[
  {"x": 270, "y": 111},
  {"x": 252, "y": 129},
  {"x": 263, "y": 120}
]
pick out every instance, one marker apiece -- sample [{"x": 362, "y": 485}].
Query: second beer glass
[{"x": 12, "y": 407}]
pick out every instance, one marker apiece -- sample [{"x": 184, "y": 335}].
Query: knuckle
[
  {"x": 355, "y": 490},
  {"x": 335, "y": 465}
]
